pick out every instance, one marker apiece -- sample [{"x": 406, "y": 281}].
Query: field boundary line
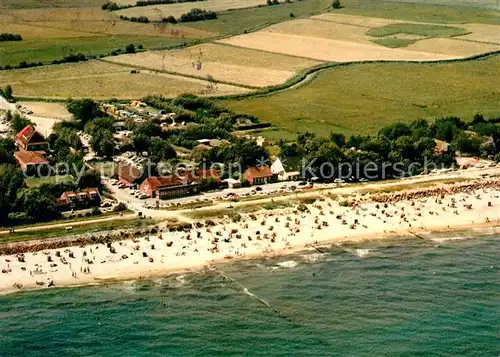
[
  {"x": 179, "y": 74},
  {"x": 298, "y": 80}
]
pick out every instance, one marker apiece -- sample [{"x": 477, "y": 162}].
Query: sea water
[{"x": 393, "y": 298}]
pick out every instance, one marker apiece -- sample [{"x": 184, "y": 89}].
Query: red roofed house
[
  {"x": 259, "y": 175},
  {"x": 31, "y": 140},
  {"x": 127, "y": 173},
  {"x": 86, "y": 198},
  {"x": 174, "y": 186},
  {"x": 32, "y": 163},
  {"x": 168, "y": 186}
]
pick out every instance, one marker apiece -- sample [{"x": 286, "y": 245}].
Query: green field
[
  {"x": 425, "y": 12},
  {"x": 416, "y": 29},
  {"x": 360, "y": 98},
  {"x": 240, "y": 20},
  {"x": 35, "y": 182},
  {"x": 12, "y": 53},
  {"x": 393, "y": 42}
]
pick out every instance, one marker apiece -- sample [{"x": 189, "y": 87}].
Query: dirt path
[{"x": 70, "y": 224}]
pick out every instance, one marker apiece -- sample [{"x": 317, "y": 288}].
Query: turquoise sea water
[{"x": 396, "y": 298}]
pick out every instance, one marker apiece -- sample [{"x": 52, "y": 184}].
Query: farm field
[
  {"x": 30, "y": 4},
  {"x": 360, "y": 98},
  {"x": 435, "y": 11},
  {"x": 102, "y": 80},
  {"x": 50, "y": 34},
  {"x": 157, "y": 12},
  {"x": 222, "y": 63},
  {"x": 346, "y": 38},
  {"x": 249, "y": 19}
]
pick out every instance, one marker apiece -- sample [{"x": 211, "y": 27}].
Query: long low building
[
  {"x": 164, "y": 187},
  {"x": 85, "y": 198},
  {"x": 32, "y": 162}
]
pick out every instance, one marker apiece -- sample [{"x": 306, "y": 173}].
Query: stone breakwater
[{"x": 467, "y": 188}]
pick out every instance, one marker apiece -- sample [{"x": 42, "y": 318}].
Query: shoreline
[
  {"x": 257, "y": 235},
  {"x": 394, "y": 235}
]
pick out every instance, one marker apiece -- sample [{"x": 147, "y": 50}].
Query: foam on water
[
  {"x": 315, "y": 257},
  {"x": 362, "y": 253},
  {"x": 288, "y": 264}
]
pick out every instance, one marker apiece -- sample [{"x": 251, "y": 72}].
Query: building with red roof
[
  {"x": 259, "y": 175},
  {"x": 31, "y": 140},
  {"x": 174, "y": 186},
  {"x": 86, "y": 198},
  {"x": 32, "y": 162},
  {"x": 128, "y": 173}
]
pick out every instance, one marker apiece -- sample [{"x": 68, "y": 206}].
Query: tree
[
  {"x": 84, "y": 110},
  {"x": 7, "y": 148},
  {"x": 18, "y": 123},
  {"x": 11, "y": 181},
  {"x": 466, "y": 144},
  {"x": 170, "y": 19},
  {"x": 7, "y": 92},
  {"x": 394, "y": 131},
  {"x": 103, "y": 143},
  {"x": 130, "y": 48},
  {"x": 338, "y": 139},
  {"x": 160, "y": 149},
  {"x": 336, "y": 4},
  {"x": 90, "y": 178},
  {"x": 141, "y": 142}
]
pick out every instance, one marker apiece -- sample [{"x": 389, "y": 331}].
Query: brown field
[
  {"x": 31, "y": 31},
  {"x": 482, "y": 33},
  {"x": 101, "y": 80},
  {"x": 354, "y": 20},
  {"x": 321, "y": 29},
  {"x": 452, "y": 46},
  {"x": 327, "y": 50},
  {"x": 343, "y": 38},
  {"x": 59, "y": 71},
  {"x": 223, "y": 63},
  {"x": 47, "y": 109},
  {"x": 157, "y": 12},
  {"x": 78, "y": 22}
]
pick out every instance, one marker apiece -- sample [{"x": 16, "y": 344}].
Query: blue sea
[{"x": 391, "y": 298}]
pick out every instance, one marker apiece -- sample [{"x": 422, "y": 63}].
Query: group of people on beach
[{"x": 300, "y": 224}]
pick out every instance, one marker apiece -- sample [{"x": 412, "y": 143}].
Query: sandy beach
[{"x": 301, "y": 225}]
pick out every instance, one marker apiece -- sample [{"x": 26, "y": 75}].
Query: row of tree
[
  {"x": 113, "y": 6},
  {"x": 198, "y": 15},
  {"x": 141, "y": 19},
  {"x": 10, "y": 37}
]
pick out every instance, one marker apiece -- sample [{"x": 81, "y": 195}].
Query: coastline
[{"x": 263, "y": 234}]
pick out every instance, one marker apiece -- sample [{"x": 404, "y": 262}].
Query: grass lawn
[
  {"x": 421, "y": 11},
  {"x": 87, "y": 229},
  {"x": 35, "y": 182},
  {"x": 241, "y": 20},
  {"x": 416, "y": 29},
  {"x": 361, "y": 98},
  {"x": 47, "y": 50},
  {"x": 393, "y": 42}
]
